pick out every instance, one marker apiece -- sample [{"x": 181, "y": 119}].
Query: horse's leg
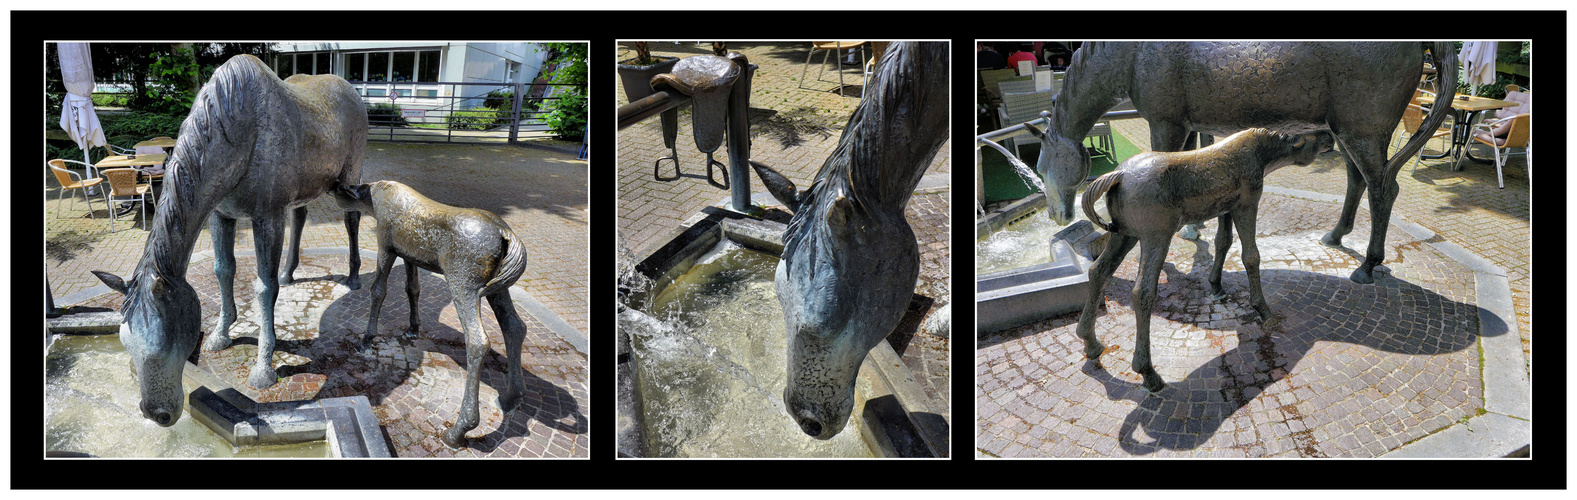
[
  {"x": 514, "y": 337},
  {"x": 268, "y": 237},
  {"x": 298, "y": 220},
  {"x": 380, "y": 288},
  {"x": 466, "y": 302},
  {"x": 1172, "y": 136},
  {"x": 1245, "y": 220},
  {"x": 1223, "y": 245},
  {"x": 1117, "y": 247},
  {"x": 352, "y": 224},
  {"x": 1152, "y": 254},
  {"x": 223, "y": 230},
  {"x": 1369, "y": 154},
  {"x": 1355, "y": 187},
  {"x": 413, "y": 291}
]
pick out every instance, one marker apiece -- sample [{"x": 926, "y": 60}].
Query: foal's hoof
[
  {"x": 286, "y": 279},
  {"x": 1362, "y": 276},
  {"x": 262, "y": 377},
  {"x": 1153, "y": 383},
  {"x": 454, "y": 440},
  {"x": 353, "y": 282},
  {"x": 1190, "y": 232},
  {"x": 1093, "y": 350},
  {"x": 506, "y": 404},
  {"x": 1270, "y": 322}
]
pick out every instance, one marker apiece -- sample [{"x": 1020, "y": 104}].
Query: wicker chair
[
  {"x": 831, "y": 48},
  {"x": 124, "y": 187},
  {"x": 73, "y": 181}
]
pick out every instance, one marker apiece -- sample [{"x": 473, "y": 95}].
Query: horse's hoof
[
  {"x": 262, "y": 377},
  {"x": 454, "y": 440},
  {"x": 1218, "y": 296},
  {"x": 1153, "y": 383},
  {"x": 1093, "y": 350},
  {"x": 353, "y": 283},
  {"x": 1271, "y": 322},
  {"x": 505, "y": 404},
  {"x": 1189, "y": 232},
  {"x": 1331, "y": 240},
  {"x": 1362, "y": 276},
  {"x": 216, "y": 342},
  {"x": 286, "y": 280}
]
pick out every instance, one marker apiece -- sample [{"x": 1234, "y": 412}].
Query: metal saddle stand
[{"x": 710, "y": 82}]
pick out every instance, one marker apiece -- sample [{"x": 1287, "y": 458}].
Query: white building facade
[{"x": 431, "y": 75}]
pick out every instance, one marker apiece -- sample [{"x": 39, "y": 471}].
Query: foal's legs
[
  {"x": 1117, "y": 247},
  {"x": 380, "y": 288},
  {"x": 268, "y": 236},
  {"x": 352, "y": 224},
  {"x": 298, "y": 220},
  {"x": 1152, "y": 254},
  {"x": 1245, "y": 220},
  {"x": 1223, "y": 244},
  {"x": 413, "y": 290},
  {"x": 514, "y": 336},
  {"x": 223, "y": 231},
  {"x": 466, "y": 302}
]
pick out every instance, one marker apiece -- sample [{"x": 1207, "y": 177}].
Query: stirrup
[
  {"x": 657, "y": 167},
  {"x": 711, "y": 162}
]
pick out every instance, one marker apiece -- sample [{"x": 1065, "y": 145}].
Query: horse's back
[{"x": 1294, "y": 87}]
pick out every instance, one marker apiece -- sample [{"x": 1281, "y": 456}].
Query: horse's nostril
[
  {"x": 811, "y": 427},
  {"x": 163, "y": 418}
]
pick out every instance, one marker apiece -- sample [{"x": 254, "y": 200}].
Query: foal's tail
[
  {"x": 1098, "y": 188},
  {"x": 510, "y": 266}
]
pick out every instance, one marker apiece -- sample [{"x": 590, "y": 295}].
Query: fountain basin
[
  {"x": 892, "y": 416},
  {"x": 1008, "y": 298}
]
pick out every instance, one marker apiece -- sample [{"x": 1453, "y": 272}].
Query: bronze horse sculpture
[
  {"x": 478, "y": 255},
  {"x": 253, "y": 146},
  {"x": 850, "y": 259},
  {"x": 1355, "y": 90},
  {"x": 1153, "y": 194}
]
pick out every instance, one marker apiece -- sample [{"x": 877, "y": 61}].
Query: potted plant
[{"x": 636, "y": 73}]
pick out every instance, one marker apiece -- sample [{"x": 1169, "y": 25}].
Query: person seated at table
[{"x": 1022, "y": 53}]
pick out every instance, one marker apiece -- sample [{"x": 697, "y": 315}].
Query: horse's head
[
  {"x": 1063, "y": 164},
  {"x": 1290, "y": 149},
  {"x": 845, "y": 280},
  {"x": 162, "y": 326}
]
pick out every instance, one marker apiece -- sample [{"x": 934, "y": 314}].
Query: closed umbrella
[
  {"x": 77, "y": 116},
  {"x": 1478, "y": 62}
]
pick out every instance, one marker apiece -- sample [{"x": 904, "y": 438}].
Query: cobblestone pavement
[
  {"x": 540, "y": 191},
  {"x": 1352, "y": 371},
  {"x": 415, "y": 382},
  {"x": 793, "y": 129}
]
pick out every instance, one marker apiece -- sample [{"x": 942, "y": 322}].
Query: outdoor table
[
  {"x": 163, "y": 143},
  {"x": 1468, "y": 112}
]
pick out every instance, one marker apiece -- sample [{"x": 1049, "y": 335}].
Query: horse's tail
[
  {"x": 1445, "y": 55},
  {"x": 510, "y": 265},
  {"x": 1098, "y": 188}
]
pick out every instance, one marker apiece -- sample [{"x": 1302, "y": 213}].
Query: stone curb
[{"x": 1506, "y": 427}]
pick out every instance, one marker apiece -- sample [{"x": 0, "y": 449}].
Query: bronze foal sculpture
[
  {"x": 1151, "y": 195},
  {"x": 1356, "y": 90},
  {"x": 478, "y": 255},
  {"x": 253, "y": 146},
  {"x": 850, "y": 259}
]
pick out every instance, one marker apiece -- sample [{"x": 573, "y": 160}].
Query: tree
[{"x": 568, "y": 117}]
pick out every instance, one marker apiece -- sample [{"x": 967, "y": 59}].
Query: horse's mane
[
  {"x": 886, "y": 137},
  {"x": 224, "y": 111}
]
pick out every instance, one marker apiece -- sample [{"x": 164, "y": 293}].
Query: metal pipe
[
  {"x": 739, "y": 138},
  {"x": 632, "y": 113}
]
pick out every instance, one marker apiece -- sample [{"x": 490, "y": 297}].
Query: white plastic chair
[{"x": 1517, "y": 134}]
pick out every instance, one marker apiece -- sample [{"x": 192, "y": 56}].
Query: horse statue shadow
[
  {"x": 1190, "y": 412},
  {"x": 427, "y": 368}
]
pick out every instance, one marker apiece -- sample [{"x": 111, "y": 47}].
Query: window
[
  {"x": 378, "y": 67},
  {"x": 383, "y": 69},
  {"x": 309, "y": 63},
  {"x": 356, "y": 67},
  {"x": 427, "y": 66},
  {"x": 321, "y": 65}
]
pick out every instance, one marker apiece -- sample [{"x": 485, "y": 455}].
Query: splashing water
[
  {"x": 711, "y": 360},
  {"x": 1029, "y": 175},
  {"x": 1021, "y": 244}
]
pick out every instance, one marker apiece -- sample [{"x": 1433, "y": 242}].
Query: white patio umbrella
[
  {"x": 1478, "y": 63},
  {"x": 77, "y": 116}
]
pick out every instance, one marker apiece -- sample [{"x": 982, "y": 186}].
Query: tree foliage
[{"x": 567, "y": 117}]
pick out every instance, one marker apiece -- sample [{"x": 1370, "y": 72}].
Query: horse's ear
[
  {"x": 1298, "y": 140},
  {"x": 839, "y": 214},
  {"x": 158, "y": 285},
  {"x": 1034, "y": 131},
  {"x": 114, "y": 282}
]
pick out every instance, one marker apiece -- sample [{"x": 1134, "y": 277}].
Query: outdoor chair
[
  {"x": 877, "y": 48},
  {"x": 830, "y": 48},
  {"x": 73, "y": 181},
  {"x": 154, "y": 172},
  {"x": 1517, "y": 135},
  {"x": 1020, "y": 107},
  {"x": 1017, "y": 85},
  {"x": 1412, "y": 120},
  {"x": 124, "y": 187}
]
